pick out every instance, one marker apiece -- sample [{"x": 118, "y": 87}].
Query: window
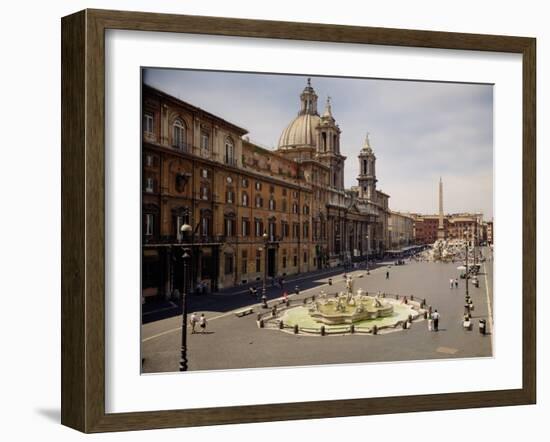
[
  {"x": 230, "y": 196},
  {"x": 272, "y": 230},
  {"x": 272, "y": 189},
  {"x": 305, "y": 257},
  {"x": 229, "y": 152},
  {"x": 205, "y": 140},
  {"x": 284, "y": 258},
  {"x": 258, "y": 261},
  {"x": 295, "y": 260},
  {"x": 244, "y": 262},
  {"x": 149, "y": 185},
  {"x": 258, "y": 185},
  {"x": 178, "y": 134},
  {"x": 149, "y": 160},
  {"x": 284, "y": 192},
  {"x": 204, "y": 173},
  {"x": 229, "y": 226},
  {"x": 245, "y": 227},
  {"x": 295, "y": 230},
  {"x": 259, "y": 201},
  {"x": 295, "y": 193},
  {"x": 306, "y": 230},
  {"x": 284, "y": 229},
  {"x": 228, "y": 264},
  {"x": 148, "y": 123},
  {"x": 149, "y": 223},
  {"x": 245, "y": 199},
  {"x": 306, "y": 209},
  {"x": 204, "y": 192},
  {"x": 205, "y": 225},
  {"x": 294, "y": 207},
  {"x": 258, "y": 227},
  {"x": 245, "y": 182},
  {"x": 271, "y": 204},
  {"x": 284, "y": 207}
]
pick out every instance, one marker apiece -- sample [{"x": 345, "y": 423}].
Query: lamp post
[
  {"x": 265, "y": 237},
  {"x": 185, "y": 230},
  {"x": 466, "y": 235},
  {"x": 367, "y": 238}
]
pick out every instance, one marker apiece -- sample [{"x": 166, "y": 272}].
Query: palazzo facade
[{"x": 254, "y": 212}]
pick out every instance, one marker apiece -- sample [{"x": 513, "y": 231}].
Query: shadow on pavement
[{"x": 223, "y": 302}]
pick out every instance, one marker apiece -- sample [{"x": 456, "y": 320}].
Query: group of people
[
  {"x": 433, "y": 321},
  {"x": 453, "y": 283},
  {"x": 195, "y": 319}
]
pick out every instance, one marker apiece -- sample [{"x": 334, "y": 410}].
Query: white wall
[{"x": 30, "y": 177}]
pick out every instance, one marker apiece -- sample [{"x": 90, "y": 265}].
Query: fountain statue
[{"x": 347, "y": 308}]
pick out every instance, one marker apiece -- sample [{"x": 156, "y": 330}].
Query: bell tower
[
  {"x": 328, "y": 146},
  {"x": 367, "y": 171}
]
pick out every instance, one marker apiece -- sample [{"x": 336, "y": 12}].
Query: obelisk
[{"x": 441, "y": 226}]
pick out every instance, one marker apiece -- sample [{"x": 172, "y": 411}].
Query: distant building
[
  {"x": 401, "y": 230},
  {"x": 427, "y": 227},
  {"x": 490, "y": 232}
]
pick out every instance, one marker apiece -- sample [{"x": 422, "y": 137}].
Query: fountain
[
  {"x": 348, "y": 312},
  {"x": 349, "y": 309}
]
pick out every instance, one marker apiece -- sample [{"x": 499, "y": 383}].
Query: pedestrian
[
  {"x": 193, "y": 321},
  {"x": 456, "y": 283},
  {"x": 264, "y": 301},
  {"x": 452, "y": 282},
  {"x": 387, "y": 274},
  {"x": 430, "y": 322},
  {"x": 285, "y": 297},
  {"x": 202, "y": 323},
  {"x": 251, "y": 291},
  {"x": 435, "y": 317}
]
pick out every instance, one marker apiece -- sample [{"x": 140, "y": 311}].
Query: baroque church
[{"x": 358, "y": 217}]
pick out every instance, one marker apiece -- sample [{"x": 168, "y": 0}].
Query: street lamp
[
  {"x": 265, "y": 237},
  {"x": 466, "y": 235},
  {"x": 367, "y": 238},
  {"x": 185, "y": 230}
]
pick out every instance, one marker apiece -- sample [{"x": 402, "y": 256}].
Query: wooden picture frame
[{"x": 83, "y": 220}]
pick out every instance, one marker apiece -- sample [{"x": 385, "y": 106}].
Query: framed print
[{"x": 268, "y": 221}]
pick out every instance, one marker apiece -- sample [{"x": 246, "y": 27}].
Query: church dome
[{"x": 301, "y": 131}]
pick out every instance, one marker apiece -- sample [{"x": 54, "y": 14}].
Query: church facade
[{"x": 255, "y": 213}]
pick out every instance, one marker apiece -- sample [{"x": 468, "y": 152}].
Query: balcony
[
  {"x": 183, "y": 147},
  {"x": 230, "y": 161}
]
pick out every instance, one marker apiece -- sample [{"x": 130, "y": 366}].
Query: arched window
[
  {"x": 178, "y": 134},
  {"x": 245, "y": 199},
  {"x": 229, "y": 152}
]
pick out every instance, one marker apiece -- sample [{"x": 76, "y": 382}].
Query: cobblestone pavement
[{"x": 232, "y": 342}]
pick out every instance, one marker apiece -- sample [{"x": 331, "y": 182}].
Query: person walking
[
  {"x": 202, "y": 323},
  {"x": 452, "y": 282},
  {"x": 193, "y": 321},
  {"x": 435, "y": 316},
  {"x": 387, "y": 274}
]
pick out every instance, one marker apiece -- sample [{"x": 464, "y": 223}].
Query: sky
[{"x": 419, "y": 131}]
